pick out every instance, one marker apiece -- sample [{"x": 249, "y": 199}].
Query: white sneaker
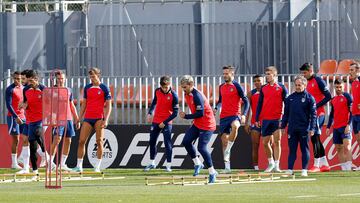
[
  {"x": 65, "y": 168},
  {"x": 15, "y": 166},
  {"x": 227, "y": 155},
  {"x": 270, "y": 168},
  {"x": 97, "y": 170},
  {"x": 277, "y": 169},
  {"x": 289, "y": 172},
  {"x": 225, "y": 171},
  {"x": 23, "y": 171},
  {"x": 304, "y": 173},
  {"x": 36, "y": 176},
  {"x": 168, "y": 169}
]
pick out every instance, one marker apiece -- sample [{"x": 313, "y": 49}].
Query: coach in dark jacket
[{"x": 300, "y": 115}]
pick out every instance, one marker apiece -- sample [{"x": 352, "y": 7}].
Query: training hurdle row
[
  {"x": 41, "y": 176},
  {"x": 221, "y": 179}
]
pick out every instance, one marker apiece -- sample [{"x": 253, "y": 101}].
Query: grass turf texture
[{"x": 329, "y": 187}]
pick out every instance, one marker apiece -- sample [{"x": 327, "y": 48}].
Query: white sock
[
  {"x": 277, "y": 162},
  {"x": 256, "y": 167},
  {"x": 14, "y": 159},
  {"x": 98, "y": 163},
  {"x": 271, "y": 160},
  {"x": 25, "y": 150},
  {"x": 229, "y": 145},
  {"x": 41, "y": 153},
  {"x": 152, "y": 162},
  {"x": 26, "y": 157},
  {"x": 212, "y": 170},
  {"x": 79, "y": 163},
  {"x": 63, "y": 159},
  {"x": 196, "y": 161},
  {"x": 349, "y": 165},
  {"x": 168, "y": 164},
  {"x": 317, "y": 162},
  {"x": 343, "y": 167},
  {"x": 227, "y": 165},
  {"x": 323, "y": 161}
]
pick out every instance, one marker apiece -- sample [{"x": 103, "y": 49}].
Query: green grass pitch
[{"x": 328, "y": 187}]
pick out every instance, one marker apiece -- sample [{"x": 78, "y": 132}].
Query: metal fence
[
  {"x": 204, "y": 48},
  {"x": 132, "y": 96},
  {"x": 45, "y": 40}
]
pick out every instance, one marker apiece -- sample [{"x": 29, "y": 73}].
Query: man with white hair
[
  {"x": 300, "y": 116},
  {"x": 203, "y": 126}
]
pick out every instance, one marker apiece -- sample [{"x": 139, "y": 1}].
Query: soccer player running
[
  {"x": 355, "y": 91},
  {"x": 32, "y": 94},
  {"x": 231, "y": 95},
  {"x": 15, "y": 116},
  {"x": 317, "y": 88},
  {"x": 340, "y": 119},
  {"x": 70, "y": 131},
  {"x": 252, "y": 129},
  {"x": 24, "y": 157},
  {"x": 166, "y": 106},
  {"x": 202, "y": 127},
  {"x": 300, "y": 116},
  {"x": 95, "y": 112},
  {"x": 269, "y": 109}
]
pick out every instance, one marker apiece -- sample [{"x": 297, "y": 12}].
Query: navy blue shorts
[
  {"x": 26, "y": 129},
  {"x": 13, "y": 127},
  {"x": 92, "y": 121},
  {"x": 356, "y": 123},
  {"x": 338, "y": 135},
  {"x": 34, "y": 130},
  {"x": 268, "y": 127},
  {"x": 320, "y": 120},
  {"x": 225, "y": 124},
  {"x": 70, "y": 130},
  {"x": 254, "y": 127}
]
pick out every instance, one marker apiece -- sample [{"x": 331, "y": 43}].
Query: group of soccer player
[
  {"x": 272, "y": 110},
  {"x": 24, "y": 103}
]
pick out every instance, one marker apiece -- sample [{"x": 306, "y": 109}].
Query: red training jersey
[
  {"x": 340, "y": 110},
  {"x": 13, "y": 96},
  {"x": 95, "y": 100},
  {"x": 165, "y": 103},
  {"x": 33, "y": 97},
  {"x": 317, "y": 88},
  {"x": 254, "y": 99},
  {"x": 270, "y": 104},
  {"x": 197, "y": 101},
  {"x": 231, "y": 96}
]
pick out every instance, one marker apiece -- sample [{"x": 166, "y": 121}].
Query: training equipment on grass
[
  {"x": 55, "y": 102},
  {"x": 222, "y": 179},
  {"x": 66, "y": 176}
]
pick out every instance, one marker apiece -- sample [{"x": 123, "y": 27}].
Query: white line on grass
[
  {"x": 303, "y": 196},
  {"x": 351, "y": 194}
]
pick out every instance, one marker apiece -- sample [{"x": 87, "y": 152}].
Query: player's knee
[
  {"x": 347, "y": 148},
  {"x": 81, "y": 142},
  {"x": 225, "y": 138},
  {"x": 235, "y": 125}
]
